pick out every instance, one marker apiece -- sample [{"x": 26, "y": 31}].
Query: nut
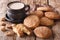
[
  {"x": 3, "y": 24},
  {"x": 3, "y": 19},
  {"x": 3, "y": 29},
  {"x": 8, "y": 26},
  {"x": 9, "y": 33}
]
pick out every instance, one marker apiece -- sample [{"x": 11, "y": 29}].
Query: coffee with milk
[
  {"x": 16, "y": 5},
  {"x": 16, "y": 11}
]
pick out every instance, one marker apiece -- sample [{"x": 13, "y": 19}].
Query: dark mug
[{"x": 16, "y": 11}]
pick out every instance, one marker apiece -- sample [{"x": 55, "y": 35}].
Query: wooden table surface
[{"x": 32, "y": 3}]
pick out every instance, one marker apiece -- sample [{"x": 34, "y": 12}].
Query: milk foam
[{"x": 16, "y": 5}]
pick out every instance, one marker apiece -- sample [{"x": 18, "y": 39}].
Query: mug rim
[{"x": 14, "y": 2}]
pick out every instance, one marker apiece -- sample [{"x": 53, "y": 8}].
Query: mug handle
[{"x": 27, "y": 8}]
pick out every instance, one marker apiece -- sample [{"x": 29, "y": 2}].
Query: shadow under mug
[{"x": 14, "y": 15}]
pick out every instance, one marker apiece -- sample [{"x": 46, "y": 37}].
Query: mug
[{"x": 16, "y": 11}]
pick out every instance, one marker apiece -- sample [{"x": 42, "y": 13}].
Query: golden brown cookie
[
  {"x": 43, "y": 32},
  {"x": 38, "y": 13},
  {"x": 45, "y": 8},
  {"x": 52, "y": 15},
  {"x": 46, "y": 21},
  {"x": 32, "y": 21}
]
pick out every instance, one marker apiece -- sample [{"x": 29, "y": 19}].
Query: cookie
[
  {"x": 42, "y": 32},
  {"x": 38, "y": 13},
  {"x": 44, "y": 8},
  {"x": 46, "y": 21},
  {"x": 52, "y": 15},
  {"x": 32, "y": 21}
]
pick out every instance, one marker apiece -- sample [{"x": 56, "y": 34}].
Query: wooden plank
[
  {"x": 20, "y": 38},
  {"x": 44, "y": 2},
  {"x": 3, "y": 8},
  {"x": 23, "y": 1},
  {"x": 51, "y": 38},
  {"x": 56, "y": 31},
  {"x": 13, "y": 0},
  {"x": 26, "y": 38},
  {"x": 55, "y": 4},
  {"x": 30, "y": 3},
  {"x": 7, "y": 38},
  {"x": 1, "y": 37},
  {"x": 30, "y": 37},
  {"x": 56, "y": 28}
]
